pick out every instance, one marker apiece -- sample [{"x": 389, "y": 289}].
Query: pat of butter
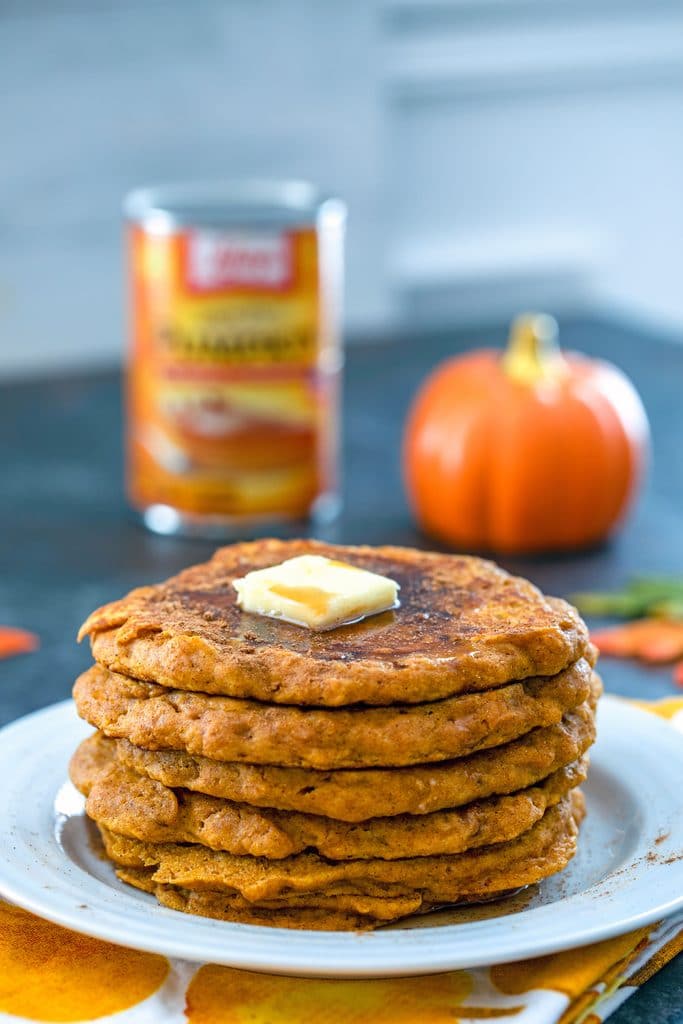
[{"x": 316, "y": 592}]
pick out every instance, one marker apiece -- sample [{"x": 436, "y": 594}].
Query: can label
[{"x": 229, "y": 407}]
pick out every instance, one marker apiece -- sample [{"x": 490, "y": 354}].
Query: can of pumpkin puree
[{"x": 235, "y": 355}]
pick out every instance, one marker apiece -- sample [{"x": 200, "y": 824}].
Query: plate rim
[{"x": 428, "y": 953}]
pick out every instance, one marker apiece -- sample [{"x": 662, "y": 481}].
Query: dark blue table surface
[{"x": 69, "y": 543}]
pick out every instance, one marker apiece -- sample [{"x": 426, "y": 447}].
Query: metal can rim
[{"x": 248, "y": 203}]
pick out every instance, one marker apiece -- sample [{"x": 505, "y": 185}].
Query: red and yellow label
[{"x": 230, "y": 410}]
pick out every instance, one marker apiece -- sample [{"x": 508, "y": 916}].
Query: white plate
[{"x": 628, "y": 872}]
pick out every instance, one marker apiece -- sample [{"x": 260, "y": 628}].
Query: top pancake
[{"x": 464, "y": 625}]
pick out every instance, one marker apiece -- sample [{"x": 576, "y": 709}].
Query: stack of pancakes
[{"x": 256, "y": 771}]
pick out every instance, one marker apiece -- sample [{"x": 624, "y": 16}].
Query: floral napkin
[{"x": 50, "y": 974}]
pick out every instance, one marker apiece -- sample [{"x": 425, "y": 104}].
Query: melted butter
[
  {"x": 316, "y": 592},
  {"x": 318, "y": 602},
  {"x": 313, "y": 598}
]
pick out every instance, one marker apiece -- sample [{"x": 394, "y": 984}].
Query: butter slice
[{"x": 316, "y": 592}]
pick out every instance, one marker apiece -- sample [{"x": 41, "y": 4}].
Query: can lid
[{"x": 238, "y": 203}]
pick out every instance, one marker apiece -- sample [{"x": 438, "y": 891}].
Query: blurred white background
[{"x": 495, "y": 154}]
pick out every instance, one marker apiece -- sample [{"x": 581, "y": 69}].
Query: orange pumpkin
[{"x": 524, "y": 451}]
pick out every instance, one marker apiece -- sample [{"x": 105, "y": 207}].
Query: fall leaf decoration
[
  {"x": 644, "y": 595},
  {"x": 16, "y": 641},
  {"x": 655, "y": 638},
  {"x": 656, "y": 641}
]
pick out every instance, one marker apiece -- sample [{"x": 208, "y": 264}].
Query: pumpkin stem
[{"x": 533, "y": 352}]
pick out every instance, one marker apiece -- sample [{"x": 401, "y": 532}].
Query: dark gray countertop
[{"x": 69, "y": 543}]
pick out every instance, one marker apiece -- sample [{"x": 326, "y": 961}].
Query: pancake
[
  {"x": 541, "y": 851},
  {"x": 464, "y": 625},
  {"x": 228, "y": 729},
  {"x": 333, "y": 913},
  {"x": 356, "y": 795},
  {"x": 135, "y": 806}
]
